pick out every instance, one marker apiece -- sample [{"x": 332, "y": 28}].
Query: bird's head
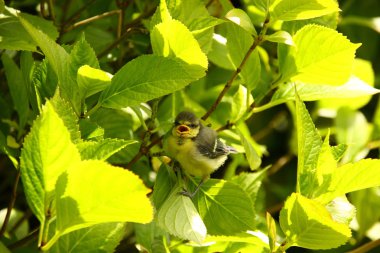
[{"x": 186, "y": 125}]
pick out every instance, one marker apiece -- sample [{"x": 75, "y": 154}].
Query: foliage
[{"x": 90, "y": 89}]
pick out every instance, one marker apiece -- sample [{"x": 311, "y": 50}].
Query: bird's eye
[
  {"x": 176, "y": 123},
  {"x": 193, "y": 125}
]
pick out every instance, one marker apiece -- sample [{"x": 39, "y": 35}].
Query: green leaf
[
  {"x": 242, "y": 19},
  {"x": 173, "y": 39},
  {"x": 179, "y": 217},
  {"x": 103, "y": 149},
  {"x": 352, "y": 177},
  {"x": 98, "y": 238},
  {"x": 82, "y": 54},
  {"x": 59, "y": 60},
  {"x": 143, "y": 79},
  {"x": 150, "y": 236},
  {"x": 351, "y": 90},
  {"x": 367, "y": 208},
  {"x": 361, "y": 83},
  {"x": 280, "y": 37},
  {"x": 193, "y": 14},
  {"x": 306, "y": 223},
  {"x": 15, "y": 37},
  {"x": 252, "y": 149},
  {"x": 3, "y": 248},
  {"x": 238, "y": 44},
  {"x": 271, "y": 225},
  {"x": 119, "y": 196},
  {"x": 333, "y": 63},
  {"x": 341, "y": 210},
  {"x": 309, "y": 145},
  {"x": 2, "y": 6},
  {"x": 353, "y": 130},
  {"x": 91, "y": 81},
  {"x": 18, "y": 89},
  {"x": 47, "y": 153},
  {"x": 164, "y": 184},
  {"x": 66, "y": 113},
  {"x": 44, "y": 83},
  {"x": 220, "y": 200},
  {"x": 302, "y": 9},
  {"x": 250, "y": 183}
]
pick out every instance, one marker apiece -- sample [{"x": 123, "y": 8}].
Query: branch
[
  {"x": 258, "y": 40},
  {"x": 33, "y": 235},
  {"x": 11, "y": 204},
  {"x": 366, "y": 247},
  {"x": 92, "y": 19},
  {"x": 76, "y": 14}
]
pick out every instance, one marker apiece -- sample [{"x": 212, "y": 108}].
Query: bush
[{"x": 90, "y": 90}]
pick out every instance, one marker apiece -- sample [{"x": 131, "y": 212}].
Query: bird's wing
[{"x": 209, "y": 144}]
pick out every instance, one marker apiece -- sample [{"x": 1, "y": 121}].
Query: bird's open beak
[{"x": 182, "y": 130}]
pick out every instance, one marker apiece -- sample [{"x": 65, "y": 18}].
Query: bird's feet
[{"x": 186, "y": 193}]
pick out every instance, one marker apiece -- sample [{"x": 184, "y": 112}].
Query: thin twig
[
  {"x": 92, "y": 19},
  {"x": 366, "y": 247},
  {"x": 117, "y": 41},
  {"x": 76, "y": 15},
  {"x": 143, "y": 151},
  {"x": 280, "y": 163},
  {"x": 11, "y": 204},
  {"x": 51, "y": 10},
  {"x": 257, "y": 41},
  {"x": 33, "y": 235}
]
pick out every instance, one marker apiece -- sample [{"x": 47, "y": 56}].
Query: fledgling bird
[{"x": 196, "y": 147}]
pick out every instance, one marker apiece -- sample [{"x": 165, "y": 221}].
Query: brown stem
[
  {"x": 257, "y": 41},
  {"x": 144, "y": 150},
  {"x": 76, "y": 14},
  {"x": 92, "y": 19},
  {"x": 366, "y": 247},
  {"x": 11, "y": 204},
  {"x": 280, "y": 163},
  {"x": 33, "y": 235}
]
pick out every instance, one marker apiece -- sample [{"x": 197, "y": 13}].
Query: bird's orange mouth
[{"x": 183, "y": 130}]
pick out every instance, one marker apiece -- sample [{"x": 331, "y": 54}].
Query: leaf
[
  {"x": 367, "y": 208},
  {"x": 179, "y": 217},
  {"x": 280, "y": 37},
  {"x": 341, "y": 210},
  {"x": 143, "y": 79},
  {"x": 150, "y": 237},
  {"x": 241, "y": 18},
  {"x": 15, "y": 37},
  {"x": 306, "y": 223},
  {"x": 250, "y": 183},
  {"x": 82, "y": 54},
  {"x": 17, "y": 88},
  {"x": 59, "y": 60},
  {"x": 333, "y": 63},
  {"x": 193, "y": 14},
  {"x": 287, "y": 10},
  {"x": 352, "y": 177},
  {"x": 119, "y": 196},
  {"x": 309, "y": 145},
  {"x": 173, "y": 39},
  {"x": 98, "y": 238},
  {"x": 360, "y": 83},
  {"x": 102, "y": 150},
  {"x": 353, "y": 130},
  {"x": 220, "y": 200},
  {"x": 250, "y": 146},
  {"x": 354, "y": 88},
  {"x": 271, "y": 225},
  {"x": 66, "y": 113},
  {"x": 91, "y": 81},
  {"x": 46, "y": 154},
  {"x": 44, "y": 83},
  {"x": 163, "y": 186}
]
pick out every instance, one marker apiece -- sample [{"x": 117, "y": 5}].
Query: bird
[{"x": 196, "y": 148}]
